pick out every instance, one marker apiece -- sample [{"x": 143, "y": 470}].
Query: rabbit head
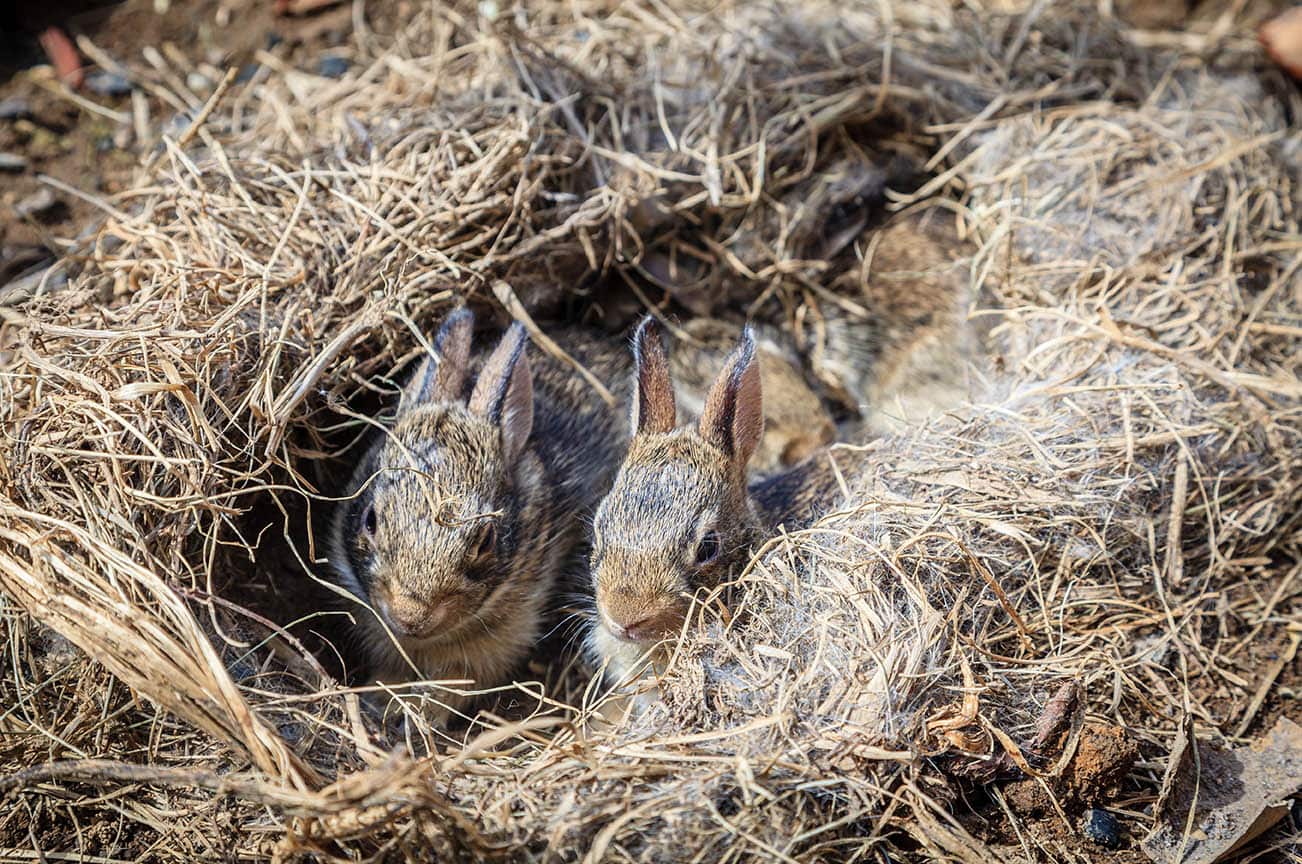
[
  {"x": 678, "y": 516},
  {"x": 437, "y": 538}
]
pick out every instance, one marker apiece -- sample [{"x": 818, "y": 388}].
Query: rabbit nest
[{"x": 1108, "y": 532}]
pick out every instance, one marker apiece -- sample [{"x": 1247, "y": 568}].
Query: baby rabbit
[
  {"x": 900, "y": 350},
  {"x": 468, "y": 508},
  {"x": 679, "y": 517}
]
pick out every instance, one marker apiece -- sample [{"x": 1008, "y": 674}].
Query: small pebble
[
  {"x": 1102, "y": 828},
  {"x": 108, "y": 84},
  {"x": 13, "y": 109},
  {"x": 198, "y": 82},
  {"x": 332, "y": 67},
  {"x": 36, "y": 203},
  {"x": 12, "y": 162}
]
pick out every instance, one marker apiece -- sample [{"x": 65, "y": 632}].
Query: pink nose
[
  {"x": 646, "y": 628},
  {"x": 638, "y": 631},
  {"x": 411, "y": 618}
]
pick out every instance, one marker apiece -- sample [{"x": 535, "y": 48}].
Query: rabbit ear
[
  {"x": 733, "y": 417},
  {"x": 443, "y": 380},
  {"x": 504, "y": 392},
  {"x": 653, "y": 405}
]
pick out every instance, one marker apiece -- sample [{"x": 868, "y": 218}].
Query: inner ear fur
[
  {"x": 443, "y": 379},
  {"x": 733, "y": 417},
  {"x": 653, "y": 402},
  {"x": 504, "y": 392}
]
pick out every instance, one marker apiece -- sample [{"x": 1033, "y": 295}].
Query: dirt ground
[{"x": 92, "y": 139}]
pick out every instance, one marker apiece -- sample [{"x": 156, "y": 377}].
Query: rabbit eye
[
  {"x": 369, "y": 522},
  {"x": 484, "y": 544},
  {"x": 708, "y": 549}
]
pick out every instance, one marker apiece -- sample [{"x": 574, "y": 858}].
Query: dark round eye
[
  {"x": 708, "y": 549},
  {"x": 369, "y": 523},
  {"x": 484, "y": 544}
]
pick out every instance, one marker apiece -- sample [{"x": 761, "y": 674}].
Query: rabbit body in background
[
  {"x": 900, "y": 348},
  {"x": 796, "y": 422}
]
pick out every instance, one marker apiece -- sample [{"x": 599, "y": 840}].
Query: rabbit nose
[
  {"x": 413, "y": 618},
  {"x": 646, "y": 627}
]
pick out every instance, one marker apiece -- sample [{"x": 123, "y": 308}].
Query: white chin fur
[{"x": 622, "y": 660}]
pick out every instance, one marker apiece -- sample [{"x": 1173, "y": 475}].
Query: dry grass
[{"x": 1121, "y": 509}]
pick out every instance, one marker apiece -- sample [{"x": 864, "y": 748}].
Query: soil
[
  {"x": 1048, "y": 814},
  {"x": 1104, "y": 756},
  {"x": 87, "y": 140}
]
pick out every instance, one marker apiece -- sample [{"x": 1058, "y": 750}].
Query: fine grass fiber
[{"x": 1116, "y": 511}]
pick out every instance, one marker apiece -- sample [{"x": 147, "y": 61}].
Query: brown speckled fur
[
  {"x": 905, "y": 358},
  {"x": 796, "y": 422}
]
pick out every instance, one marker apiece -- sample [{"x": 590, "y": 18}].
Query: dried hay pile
[{"x": 1120, "y": 509}]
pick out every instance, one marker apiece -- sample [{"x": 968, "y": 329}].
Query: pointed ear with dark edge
[
  {"x": 504, "y": 392},
  {"x": 653, "y": 402},
  {"x": 733, "y": 417},
  {"x": 444, "y": 379}
]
